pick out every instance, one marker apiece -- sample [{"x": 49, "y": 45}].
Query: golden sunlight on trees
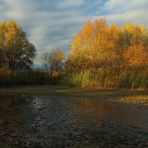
[
  {"x": 136, "y": 55},
  {"x": 101, "y": 55},
  {"x": 132, "y": 34},
  {"x": 83, "y": 48},
  {"x": 109, "y": 56},
  {"x": 16, "y": 52},
  {"x": 99, "y": 45}
]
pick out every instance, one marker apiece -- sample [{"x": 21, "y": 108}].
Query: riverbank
[
  {"x": 58, "y": 116},
  {"x": 117, "y": 95}
]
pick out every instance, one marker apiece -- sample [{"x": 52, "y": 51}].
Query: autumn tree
[
  {"x": 134, "y": 45},
  {"x": 53, "y": 61},
  {"x": 95, "y": 46},
  {"x": 99, "y": 45},
  {"x": 16, "y": 51}
]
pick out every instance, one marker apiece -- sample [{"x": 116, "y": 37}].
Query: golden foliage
[
  {"x": 17, "y": 50},
  {"x": 136, "y": 55},
  {"x": 98, "y": 45}
]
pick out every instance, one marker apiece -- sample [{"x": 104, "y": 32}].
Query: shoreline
[
  {"x": 124, "y": 96},
  {"x": 72, "y": 117}
]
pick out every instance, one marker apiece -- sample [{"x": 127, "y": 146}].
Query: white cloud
[
  {"x": 126, "y": 4},
  {"x": 70, "y": 3},
  {"x": 48, "y": 23},
  {"x": 125, "y": 11},
  {"x": 53, "y": 23},
  {"x": 137, "y": 17}
]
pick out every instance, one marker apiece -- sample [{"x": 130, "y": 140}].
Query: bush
[
  {"x": 14, "y": 78},
  {"x": 111, "y": 77}
]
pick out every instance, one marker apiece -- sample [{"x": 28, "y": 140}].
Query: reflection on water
[
  {"x": 10, "y": 101},
  {"x": 44, "y": 116},
  {"x": 60, "y": 110},
  {"x": 95, "y": 111}
]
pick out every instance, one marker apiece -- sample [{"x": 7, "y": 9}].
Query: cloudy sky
[{"x": 53, "y": 23}]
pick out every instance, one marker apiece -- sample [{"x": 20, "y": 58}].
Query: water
[{"x": 69, "y": 121}]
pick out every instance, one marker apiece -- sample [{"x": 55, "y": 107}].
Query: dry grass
[{"x": 138, "y": 99}]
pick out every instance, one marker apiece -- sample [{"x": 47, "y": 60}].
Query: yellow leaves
[
  {"x": 95, "y": 43},
  {"x": 115, "y": 33},
  {"x": 135, "y": 34},
  {"x": 136, "y": 55},
  {"x": 134, "y": 45},
  {"x": 99, "y": 26},
  {"x": 134, "y": 29},
  {"x": 76, "y": 44},
  {"x": 10, "y": 31},
  {"x": 14, "y": 43},
  {"x": 99, "y": 44},
  {"x": 87, "y": 30},
  {"x": 128, "y": 27}
]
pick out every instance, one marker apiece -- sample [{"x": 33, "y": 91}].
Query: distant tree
[
  {"x": 53, "y": 61},
  {"x": 16, "y": 51},
  {"x": 46, "y": 61}
]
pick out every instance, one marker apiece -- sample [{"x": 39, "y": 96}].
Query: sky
[{"x": 53, "y": 24}]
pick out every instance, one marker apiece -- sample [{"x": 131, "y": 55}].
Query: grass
[
  {"x": 109, "y": 77},
  {"x": 102, "y": 78}
]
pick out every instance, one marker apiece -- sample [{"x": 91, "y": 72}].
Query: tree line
[
  {"x": 99, "y": 45},
  {"x": 101, "y": 55}
]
